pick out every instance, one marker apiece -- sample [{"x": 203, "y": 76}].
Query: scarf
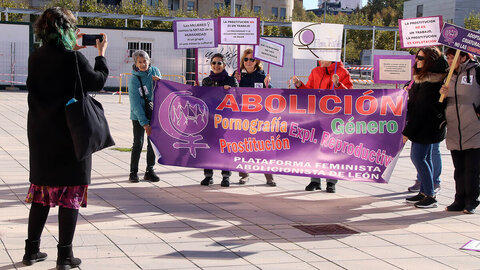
[{"x": 220, "y": 77}]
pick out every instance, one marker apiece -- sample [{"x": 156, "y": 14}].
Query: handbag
[
  {"x": 148, "y": 103},
  {"x": 86, "y": 122}
]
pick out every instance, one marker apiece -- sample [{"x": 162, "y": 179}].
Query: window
[
  {"x": 257, "y": 9},
  {"x": 238, "y": 7},
  {"x": 135, "y": 46},
  {"x": 173, "y": 4},
  {"x": 218, "y": 6},
  {"x": 283, "y": 13},
  {"x": 420, "y": 11},
  {"x": 152, "y": 3},
  {"x": 275, "y": 12},
  {"x": 190, "y": 6},
  {"x": 108, "y": 2}
]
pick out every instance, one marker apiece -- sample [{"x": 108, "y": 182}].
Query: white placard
[
  {"x": 319, "y": 41},
  {"x": 244, "y": 31},
  {"x": 270, "y": 52},
  {"x": 194, "y": 34},
  {"x": 472, "y": 245},
  {"x": 420, "y": 32},
  {"x": 395, "y": 69}
]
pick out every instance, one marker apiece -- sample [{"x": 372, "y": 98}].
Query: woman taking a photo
[{"x": 57, "y": 178}]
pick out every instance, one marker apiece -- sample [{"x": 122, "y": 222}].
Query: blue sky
[{"x": 311, "y": 4}]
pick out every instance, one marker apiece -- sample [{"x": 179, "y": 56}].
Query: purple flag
[{"x": 340, "y": 134}]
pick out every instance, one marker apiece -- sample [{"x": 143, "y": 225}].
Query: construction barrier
[
  {"x": 175, "y": 78},
  {"x": 362, "y": 81},
  {"x": 361, "y": 68}
]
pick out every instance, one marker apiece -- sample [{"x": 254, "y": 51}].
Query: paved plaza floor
[{"x": 178, "y": 224}]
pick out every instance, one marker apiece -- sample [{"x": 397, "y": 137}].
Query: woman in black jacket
[
  {"x": 56, "y": 176},
  {"x": 252, "y": 75},
  {"x": 425, "y": 124},
  {"x": 218, "y": 77}
]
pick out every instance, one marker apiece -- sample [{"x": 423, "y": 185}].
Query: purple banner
[
  {"x": 460, "y": 38},
  {"x": 340, "y": 134}
]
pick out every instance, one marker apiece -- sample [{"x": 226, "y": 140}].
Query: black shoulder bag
[
  {"x": 86, "y": 122},
  {"x": 148, "y": 103}
]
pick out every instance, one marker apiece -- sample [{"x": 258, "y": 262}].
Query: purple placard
[
  {"x": 377, "y": 70},
  {"x": 266, "y": 59},
  {"x": 233, "y": 18},
  {"x": 194, "y": 44},
  {"x": 340, "y": 134},
  {"x": 460, "y": 38},
  {"x": 413, "y": 27}
]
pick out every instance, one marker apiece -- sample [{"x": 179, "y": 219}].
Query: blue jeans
[
  {"x": 437, "y": 164},
  {"x": 421, "y": 156}
]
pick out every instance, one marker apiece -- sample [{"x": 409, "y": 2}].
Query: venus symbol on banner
[{"x": 187, "y": 116}]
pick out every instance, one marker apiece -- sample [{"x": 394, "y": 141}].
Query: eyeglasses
[
  {"x": 420, "y": 58},
  {"x": 251, "y": 59},
  {"x": 216, "y": 63}
]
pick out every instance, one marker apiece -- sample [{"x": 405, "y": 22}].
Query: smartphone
[{"x": 90, "y": 40}]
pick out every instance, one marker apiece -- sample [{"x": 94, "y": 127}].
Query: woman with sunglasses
[
  {"x": 463, "y": 125},
  {"x": 252, "y": 75},
  {"x": 324, "y": 76},
  {"x": 425, "y": 125},
  {"x": 218, "y": 77}
]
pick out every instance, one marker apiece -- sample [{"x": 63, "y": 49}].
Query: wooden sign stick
[{"x": 450, "y": 73}]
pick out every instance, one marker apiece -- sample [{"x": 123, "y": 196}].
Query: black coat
[
  {"x": 229, "y": 80},
  {"x": 50, "y": 83},
  {"x": 425, "y": 114},
  {"x": 249, "y": 79}
]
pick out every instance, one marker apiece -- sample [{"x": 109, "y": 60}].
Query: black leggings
[{"x": 67, "y": 221}]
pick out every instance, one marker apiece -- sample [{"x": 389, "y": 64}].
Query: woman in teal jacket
[{"x": 143, "y": 74}]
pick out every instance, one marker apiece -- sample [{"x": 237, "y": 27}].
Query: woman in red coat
[{"x": 324, "y": 76}]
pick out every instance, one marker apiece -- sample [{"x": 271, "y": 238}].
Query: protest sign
[
  {"x": 340, "y": 134},
  {"x": 319, "y": 41},
  {"x": 237, "y": 30},
  {"x": 420, "y": 32},
  {"x": 393, "y": 68},
  {"x": 229, "y": 52},
  {"x": 270, "y": 52},
  {"x": 461, "y": 39},
  {"x": 195, "y": 34}
]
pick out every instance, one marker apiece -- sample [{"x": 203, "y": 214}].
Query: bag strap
[
  {"x": 143, "y": 90},
  {"x": 78, "y": 77},
  {"x": 410, "y": 84}
]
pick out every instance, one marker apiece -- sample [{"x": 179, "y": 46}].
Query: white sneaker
[
  {"x": 436, "y": 188},
  {"x": 243, "y": 180}
]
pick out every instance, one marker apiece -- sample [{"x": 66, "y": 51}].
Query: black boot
[
  {"x": 65, "y": 259},
  {"x": 207, "y": 181},
  {"x": 225, "y": 181},
  {"x": 133, "y": 177},
  {"x": 151, "y": 176},
  {"x": 313, "y": 186},
  {"x": 32, "y": 253},
  {"x": 331, "y": 187}
]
